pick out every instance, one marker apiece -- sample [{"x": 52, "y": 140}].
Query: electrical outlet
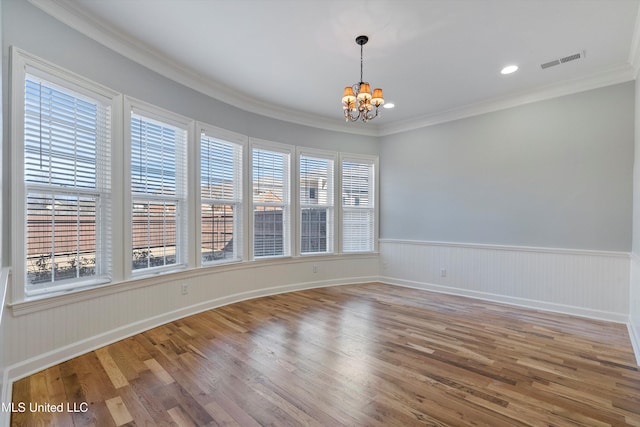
[
  {"x": 315, "y": 268},
  {"x": 443, "y": 272},
  {"x": 184, "y": 289}
]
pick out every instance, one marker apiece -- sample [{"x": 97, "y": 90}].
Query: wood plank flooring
[{"x": 355, "y": 355}]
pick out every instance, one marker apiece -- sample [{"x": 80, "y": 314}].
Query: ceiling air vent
[
  {"x": 550, "y": 64},
  {"x": 563, "y": 60}
]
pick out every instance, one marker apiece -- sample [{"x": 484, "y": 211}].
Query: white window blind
[
  {"x": 271, "y": 210},
  {"x": 358, "y": 211},
  {"x": 67, "y": 139},
  {"x": 316, "y": 205},
  {"x": 158, "y": 186},
  {"x": 221, "y": 199}
]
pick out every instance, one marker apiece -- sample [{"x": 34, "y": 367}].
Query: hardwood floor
[{"x": 350, "y": 355}]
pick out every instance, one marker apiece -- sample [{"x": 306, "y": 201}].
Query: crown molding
[
  {"x": 68, "y": 12},
  {"x": 615, "y": 75}
]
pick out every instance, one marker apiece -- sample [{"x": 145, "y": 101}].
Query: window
[
  {"x": 64, "y": 156},
  {"x": 158, "y": 189},
  {"x": 316, "y": 204},
  {"x": 220, "y": 198},
  {"x": 271, "y": 205},
  {"x": 358, "y": 208},
  {"x": 66, "y": 217}
]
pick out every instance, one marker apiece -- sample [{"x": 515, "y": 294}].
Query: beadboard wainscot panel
[
  {"x": 47, "y": 332},
  {"x": 5, "y": 283},
  {"x": 585, "y": 283},
  {"x": 634, "y": 305}
]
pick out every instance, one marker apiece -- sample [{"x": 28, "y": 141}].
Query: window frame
[
  {"x": 240, "y": 220},
  {"x": 120, "y": 171},
  {"x": 330, "y": 205},
  {"x": 287, "y": 206},
  {"x": 184, "y": 205},
  {"x": 22, "y": 65},
  {"x": 374, "y": 194}
]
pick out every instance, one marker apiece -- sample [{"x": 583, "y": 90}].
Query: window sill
[
  {"x": 157, "y": 271},
  {"x": 64, "y": 289},
  {"x": 221, "y": 262}
]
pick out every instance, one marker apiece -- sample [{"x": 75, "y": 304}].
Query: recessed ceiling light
[
  {"x": 509, "y": 69},
  {"x": 389, "y": 105}
]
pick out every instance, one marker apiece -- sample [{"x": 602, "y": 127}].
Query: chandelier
[{"x": 357, "y": 101}]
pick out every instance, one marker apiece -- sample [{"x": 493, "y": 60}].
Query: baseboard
[
  {"x": 36, "y": 364},
  {"x": 520, "y": 302}
]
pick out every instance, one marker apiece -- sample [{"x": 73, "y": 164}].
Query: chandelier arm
[
  {"x": 349, "y": 117},
  {"x": 371, "y": 116}
]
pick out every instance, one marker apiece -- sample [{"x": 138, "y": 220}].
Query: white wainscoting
[
  {"x": 36, "y": 338},
  {"x": 5, "y": 282},
  {"x": 585, "y": 283},
  {"x": 634, "y": 305}
]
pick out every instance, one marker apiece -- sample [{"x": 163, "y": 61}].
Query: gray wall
[
  {"x": 32, "y": 30},
  {"x": 556, "y": 173}
]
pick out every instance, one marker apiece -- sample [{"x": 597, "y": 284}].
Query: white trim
[
  {"x": 515, "y": 301},
  {"x": 265, "y": 144},
  {"x": 21, "y": 60},
  {"x": 192, "y": 189},
  {"x": 70, "y": 14},
  {"x": 16, "y": 141},
  {"x": 634, "y": 315},
  {"x": 153, "y": 112},
  {"x": 223, "y": 134},
  {"x": 5, "y": 279},
  {"x": 534, "y": 249}
]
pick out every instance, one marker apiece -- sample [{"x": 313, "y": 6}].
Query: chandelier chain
[{"x": 361, "y": 46}]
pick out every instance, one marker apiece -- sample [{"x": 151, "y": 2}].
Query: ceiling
[{"x": 437, "y": 60}]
